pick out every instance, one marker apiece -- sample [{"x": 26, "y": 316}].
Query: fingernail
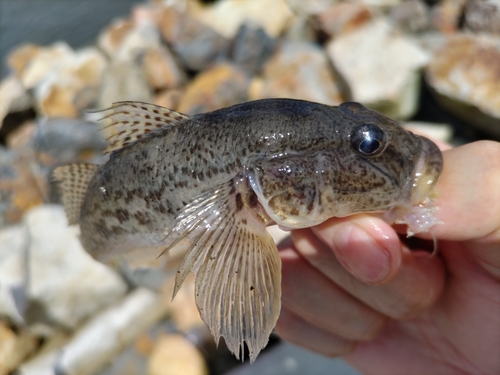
[{"x": 361, "y": 255}]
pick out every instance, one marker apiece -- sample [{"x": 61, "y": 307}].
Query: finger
[
  {"x": 416, "y": 285},
  {"x": 293, "y": 329},
  {"x": 310, "y": 295}
]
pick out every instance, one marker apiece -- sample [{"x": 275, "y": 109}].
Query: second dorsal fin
[{"x": 133, "y": 120}]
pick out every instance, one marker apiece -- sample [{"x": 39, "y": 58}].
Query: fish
[{"x": 216, "y": 180}]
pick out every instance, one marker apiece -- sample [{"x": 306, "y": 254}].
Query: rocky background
[{"x": 433, "y": 64}]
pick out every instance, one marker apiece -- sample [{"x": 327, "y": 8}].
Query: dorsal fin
[
  {"x": 133, "y": 120},
  {"x": 74, "y": 179}
]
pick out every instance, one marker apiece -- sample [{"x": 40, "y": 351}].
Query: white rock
[
  {"x": 67, "y": 284},
  {"x": 103, "y": 337},
  {"x": 226, "y": 16},
  {"x": 13, "y": 97},
  {"x": 380, "y": 67},
  {"x": 13, "y": 244}
]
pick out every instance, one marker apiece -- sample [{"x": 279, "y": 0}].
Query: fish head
[{"x": 369, "y": 164}]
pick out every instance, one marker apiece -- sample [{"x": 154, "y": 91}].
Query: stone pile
[{"x": 62, "y": 311}]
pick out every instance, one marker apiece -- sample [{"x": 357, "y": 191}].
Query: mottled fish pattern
[{"x": 216, "y": 180}]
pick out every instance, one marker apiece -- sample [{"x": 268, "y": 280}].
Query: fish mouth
[{"x": 426, "y": 172}]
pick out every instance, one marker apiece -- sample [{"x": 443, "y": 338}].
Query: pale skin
[{"x": 352, "y": 288}]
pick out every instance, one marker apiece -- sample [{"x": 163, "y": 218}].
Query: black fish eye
[{"x": 368, "y": 140}]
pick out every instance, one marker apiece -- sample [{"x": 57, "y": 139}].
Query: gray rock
[
  {"x": 251, "y": 47},
  {"x": 381, "y": 67},
  {"x": 483, "y": 16}
]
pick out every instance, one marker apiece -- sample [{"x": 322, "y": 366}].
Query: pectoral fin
[{"x": 237, "y": 267}]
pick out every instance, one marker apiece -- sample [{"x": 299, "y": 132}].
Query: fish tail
[{"x": 74, "y": 180}]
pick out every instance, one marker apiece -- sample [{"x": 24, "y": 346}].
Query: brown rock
[
  {"x": 13, "y": 97},
  {"x": 343, "y": 18},
  {"x": 162, "y": 71},
  {"x": 220, "y": 86},
  {"x": 113, "y": 36},
  {"x": 196, "y": 44},
  {"x": 20, "y": 57},
  {"x": 466, "y": 74},
  {"x": 169, "y": 98},
  {"x": 446, "y": 15},
  {"x": 14, "y": 347},
  {"x": 175, "y": 355},
  {"x": 298, "y": 70}
]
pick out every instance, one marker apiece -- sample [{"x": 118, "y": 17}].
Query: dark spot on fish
[
  {"x": 147, "y": 116},
  {"x": 122, "y": 215},
  {"x": 157, "y": 118},
  {"x": 244, "y": 221},
  {"x": 144, "y": 153},
  {"x": 239, "y": 202},
  {"x": 253, "y": 201},
  {"x": 147, "y": 131},
  {"x": 252, "y": 288},
  {"x": 127, "y": 139},
  {"x": 294, "y": 211},
  {"x": 144, "y": 108},
  {"x": 175, "y": 169}
]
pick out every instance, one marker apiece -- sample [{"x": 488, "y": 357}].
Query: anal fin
[
  {"x": 237, "y": 267},
  {"x": 74, "y": 180}
]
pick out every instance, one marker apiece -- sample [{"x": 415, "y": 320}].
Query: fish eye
[{"x": 368, "y": 140}]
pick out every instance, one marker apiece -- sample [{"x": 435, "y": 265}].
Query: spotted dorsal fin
[
  {"x": 74, "y": 180},
  {"x": 133, "y": 120}
]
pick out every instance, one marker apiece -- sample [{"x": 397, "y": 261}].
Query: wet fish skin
[{"x": 218, "y": 179}]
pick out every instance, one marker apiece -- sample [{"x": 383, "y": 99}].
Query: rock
[
  {"x": 104, "y": 336},
  {"x": 183, "y": 307},
  {"x": 381, "y": 67},
  {"x": 196, "y": 44},
  {"x": 161, "y": 69},
  {"x": 445, "y": 16},
  {"x": 465, "y": 74},
  {"x": 298, "y": 70},
  {"x": 58, "y": 141},
  {"x": 412, "y": 15},
  {"x": 343, "y": 18},
  {"x": 22, "y": 137},
  {"x": 13, "y": 97},
  {"x": 73, "y": 86},
  {"x": 124, "y": 80},
  {"x": 19, "y": 58},
  {"x": 251, "y": 48},
  {"x": 226, "y": 16},
  {"x": 111, "y": 38},
  {"x": 220, "y": 86},
  {"x": 310, "y": 7},
  {"x": 175, "y": 355},
  {"x": 483, "y": 16},
  {"x": 23, "y": 185},
  {"x": 13, "y": 299},
  {"x": 14, "y": 347},
  {"x": 169, "y": 98},
  {"x": 65, "y": 285}
]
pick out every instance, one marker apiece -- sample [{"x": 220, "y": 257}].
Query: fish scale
[{"x": 216, "y": 180}]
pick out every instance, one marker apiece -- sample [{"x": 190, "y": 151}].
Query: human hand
[{"x": 352, "y": 288}]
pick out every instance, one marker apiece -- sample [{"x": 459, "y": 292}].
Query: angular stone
[
  {"x": 298, "y": 70},
  {"x": 161, "y": 69},
  {"x": 124, "y": 80},
  {"x": 23, "y": 184},
  {"x": 343, "y": 18},
  {"x": 386, "y": 81},
  {"x": 65, "y": 285},
  {"x": 14, "y": 347},
  {"x": 466, "y": 75},
  {"x": 112, "y": 37},
  {"x": 445, "y": 16},
  {"x": 483, "y": 16},
  {"x": 20, "y": 57},
  {"x": 220, "y": 86},
  {"x": 311, "y": 7},
  {"x": 58, "y": 141},
  {"x": 412, "y": 15},
  {"x": 13, "y": 97},
  {"x": 196, "y": 44},
  {"x": 13, "y": 299},
  {"x": 251, "y": 48},
  {"x": 103, "y": 337},
  {"x": 226, "y": 16},
  {"x": 176, "y": 355}
]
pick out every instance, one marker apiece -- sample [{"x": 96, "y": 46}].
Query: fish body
[{"x": 218, "y": 179}]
